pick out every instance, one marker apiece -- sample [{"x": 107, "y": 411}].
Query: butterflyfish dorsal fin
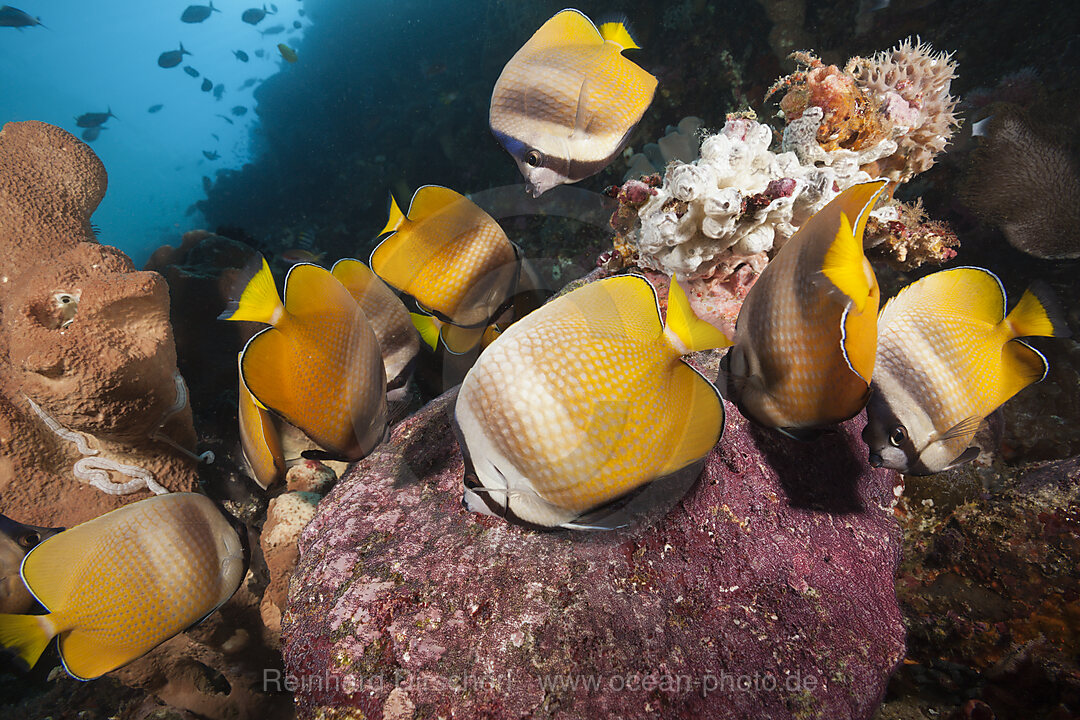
[
  {"x": 1037, "y": 314},
  {"x": 258, "y": 299},
  {"x": 617, "y": 32},
  {"x": 844, "y": 264},
  {"x": 702, "y": 412},
  {"x": 694, "y": 333},
  {"x": 396, "y": 220},
  {"x": 431, "y": 200},
  {"x": 971, "y": 294},
  {"x": 428, "y": 327},
  {"x": 354, "y": 275},
  {"x": 568, "y": 27},
  {"x": 310, "y": 289},
  {"x": 623, "y": 306}
]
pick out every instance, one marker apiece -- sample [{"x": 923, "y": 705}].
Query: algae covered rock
[{"x": 767, "y": 592}]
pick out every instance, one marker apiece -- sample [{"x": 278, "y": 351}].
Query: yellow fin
[
  {"x": 971, "y": 293},
  {"x": 845, "y": 265},
  {"x": 459, "y": 340},
  {"x": 694, "y": 333},
  {"x": 428, "y": 327},
  {"x": 266, "y": 370},
  {"x": 568, "y": 27},
  {"x": 258, "y": 301},
  {"x": 1022, "y": 365},
  {"x": 621, "y": 306},
  {"x": 86, "y": 657},
  {"x": 701, "y": 412},
  {"x": 1037, "y": 313},
  {"x": 310, "y": 289},
  {"x": 617, "y": 33},
  {"x": 25, "y": 636},
  {"x": 431, "y": 200},
  {"x": 397, "y": 218}
]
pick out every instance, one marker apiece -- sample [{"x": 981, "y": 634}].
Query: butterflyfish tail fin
[
  {"x": 617, "y": 31},
  {"x": 25, "y": 636},
  {"x": 428, "y": 329},
  {"x": 1038, "y": 313},
  {"x": 258, "y": 298},
  {"x": 693, "y": 332},
  {"x": 397, "y": 218}
]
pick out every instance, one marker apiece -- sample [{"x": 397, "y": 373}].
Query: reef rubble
[{"x": 767, "y": 592}]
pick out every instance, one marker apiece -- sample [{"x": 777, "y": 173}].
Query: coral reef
[
  {"x": 91, "y": 404},
  {"x": 679, "y": 144},
  {"x": 991, "y": 593},
  {"x": 901, "y": 235},
  {"x": 1025, "y": 178},
  {"x": 777, "y": 567}
]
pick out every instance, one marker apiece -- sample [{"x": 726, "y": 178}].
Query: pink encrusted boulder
[{"x": 767, "y": 592}]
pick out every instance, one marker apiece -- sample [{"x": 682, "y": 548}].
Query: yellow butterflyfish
[
  {"x": 584, "y": 401},
  {"x": 948, "y": 356},
  {"x": 123, "y": 583},
  {"x": 566, "y": 102},
  {"x": 805, "y": 336}
]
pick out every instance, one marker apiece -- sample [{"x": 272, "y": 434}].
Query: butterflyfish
[
  {"x": 584, "y": 401},
  {"x": 260, "y": 439},
  {"x": 389, "y": 318},
  {"x": 17, "y": 539},
  {"x": 947, "y": 357},
  {"x": 805, "y": 336},
  {"x": 121, "y": 584},
  {"x": 566, "y": 102},
  {"x": 318, "y": 365},
  {"x": 452, "y": 258}
]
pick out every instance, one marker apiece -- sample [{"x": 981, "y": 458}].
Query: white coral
[{"x": 696, "y": 225}]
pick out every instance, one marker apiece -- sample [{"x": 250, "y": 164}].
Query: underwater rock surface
[{"x": 767, "y": 592}]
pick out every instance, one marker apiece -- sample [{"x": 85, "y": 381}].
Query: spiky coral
[{"x": 912, "y": 84}]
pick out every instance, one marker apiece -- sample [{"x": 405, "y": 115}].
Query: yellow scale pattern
[
  {"x": 151, "y": 579},
  {"x": 584, "y": 424},
  {"x": 332, "y": 387},
  {"x": 476, "y": 247}
]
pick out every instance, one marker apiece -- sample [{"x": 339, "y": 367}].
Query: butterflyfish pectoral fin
[
  {"x": 397, "y": 218},
  {"x": 428, "y": 327},
  {"x": 258, "y": 299},
  {"x": 615, "y": 31},
  {"x": 965, "y": 457},
  {"x": 967, "y": 426},
  {"x": 1038, "y": 314},
  {"x": 694, "y": 333},
  {"x": 24, "y": 635},
  {"x": 699, "y": 419}
]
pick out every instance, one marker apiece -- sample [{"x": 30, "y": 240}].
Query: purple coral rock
[
  {"x": 766, "y": 593},
  {"x": 780, "y": 188},
  {"x": 635, "y": 192}
]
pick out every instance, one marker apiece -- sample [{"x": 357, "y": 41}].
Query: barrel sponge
[
  {"x": 50, "y": 184},
  {"x": 1025, "y": 178}
]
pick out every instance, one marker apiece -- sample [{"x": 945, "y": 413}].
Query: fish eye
[
  {"x": 534, "y": 158},
  {"x": 898, "y": 435},
  {"x": 30, "y": 539}
]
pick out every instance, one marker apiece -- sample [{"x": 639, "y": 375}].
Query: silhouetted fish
[
  {"x": 172, "y": 58},
  {"x": 254, "y": 16},
  {"x": 154, "y": 108},
  {"x": 287, "y": 52},
  {"x": 226, "y": 118},
  {"x": 16, "y": 18},
  {"x": 239, "y": 110},
  {"x": 248, "y": 83},
  {"x": 210, "y": 155},
  {"x": 274, "y": 30},
  {"x": 191, "y": 71},
  {"x": 240, "y": 55},
  {"x": 91, "y": 134},
  {"x": 91, "y": 120},
  {"x": 198, "y": 13},
  {"x": 219, "y": 90},
  {"x": 260, "y": 53},
  {"x": 297, "y": 24},
  {"x": 207, "y": 86}
]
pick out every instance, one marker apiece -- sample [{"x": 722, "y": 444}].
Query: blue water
[{"x": 97, "y": 55}]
